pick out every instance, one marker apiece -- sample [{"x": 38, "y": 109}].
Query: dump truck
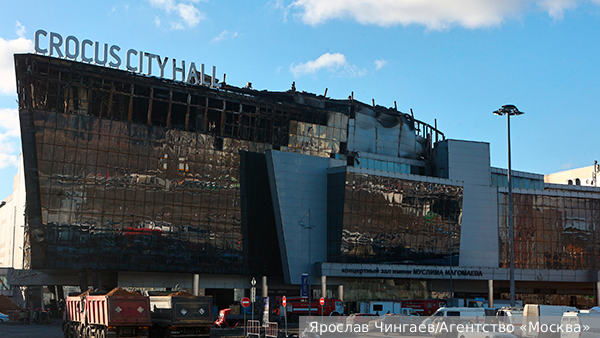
[
  {"x": 74, "y": 315},
  {"x": 180, "y": 314},
  {"x": 118, "y": 313}
]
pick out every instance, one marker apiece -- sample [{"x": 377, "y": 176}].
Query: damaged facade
[{"x": 127, "y": 174}]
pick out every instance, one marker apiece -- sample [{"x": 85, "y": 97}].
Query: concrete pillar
[
  {"x": 265, "y": 294},
  {"x": 97, "y": 281},
  {"x": 196, "y": 284},
  {"x": 324, "y": 286},
  {"x": 341, "y": 292},
  {"x": 598, "y": 293},
  {"x": 265, "y": 290},
  {"x": 83, "y": 281},
  {"x": 60, "y": 293},
  {"x": 41, "y": 296},
  {"x": 52, "y": 289},
  {"x": 491, "y": 293}
]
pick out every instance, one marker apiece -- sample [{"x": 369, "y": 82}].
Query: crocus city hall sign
[{"x": 134, "y": 60}]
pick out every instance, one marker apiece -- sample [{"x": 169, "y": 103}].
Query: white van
[
  {"x": 545, "y": 314},
  {"x": 589, "y": 318},
  {"x": 511, "y": 316},
  {"x": 385, "y": 307}
]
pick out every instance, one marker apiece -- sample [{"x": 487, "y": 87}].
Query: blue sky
[{"x": 450, "y": 61}]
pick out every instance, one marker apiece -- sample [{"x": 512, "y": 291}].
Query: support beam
[
  {"x": 341, "y": 292},
  {"x": 598, "y": 293},
  {"x": 265, "y": 294},
  {"x": 97, "y": 281},
  {"x": 324, "y": 286},
  {"x": 83, "y": 281},
  {"x": 491, "y": 293},
  {"x": 196, "y": 284}
]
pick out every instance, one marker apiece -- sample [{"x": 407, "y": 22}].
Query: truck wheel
[
  {"x": 101, "y": 333},
  {"x": 67, "y": 330}
]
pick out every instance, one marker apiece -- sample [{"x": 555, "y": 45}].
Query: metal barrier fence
[
  {"x": 272, "y": 330},
  {"x": 253, "y": 328}
]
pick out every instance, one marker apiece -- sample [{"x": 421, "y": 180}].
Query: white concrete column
[
  {"x": 491, "y": 293},
  {"x": 196, "y": 285},
  {"x": 598, "y": 293},
  {"x": 265, "y": 294},
  {"x": 341, "y": 292},
  {"x": 265, "y": 288},
  {"x": 324, "y": 286}
]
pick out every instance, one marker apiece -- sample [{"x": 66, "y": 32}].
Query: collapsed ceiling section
[
  {"x": 291, "y": 121},
  {"x": 370, "y": 129}
]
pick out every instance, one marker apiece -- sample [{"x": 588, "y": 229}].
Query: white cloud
[
  {"x": 7, "y": 63},
  {"x": 434, "y": 14},
  {"x": 556, "y": 8},
  {"x": 176, "y": 26},
  {"x": 181, "y": 14},
  {"x": 10, "y": 134},
  {"x": 20, "y": 29},
  {"x": 334, "y": 63},
  {"x": 225, "y": 35},
  {"x": 9, "y": 121},
  {"x": 380, "y": 64},
  {"x": 190, "y": 14},
  {"x": 7, "y": 160}
]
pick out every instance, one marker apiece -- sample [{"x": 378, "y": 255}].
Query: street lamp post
[
  {"x": 310, "y": 226},
  {"x": 509, "y": 110},
  {"x": 450, "y": 233}
]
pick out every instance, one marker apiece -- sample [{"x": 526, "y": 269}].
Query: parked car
[{"x": 3, "y": 318}]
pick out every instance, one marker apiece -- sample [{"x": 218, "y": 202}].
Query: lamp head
[{"x": 508, "y": 109}]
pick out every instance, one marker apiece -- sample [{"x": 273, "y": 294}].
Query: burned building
[{"x": 142, "y": 181}]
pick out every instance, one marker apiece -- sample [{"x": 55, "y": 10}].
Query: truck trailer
[
  {"x": 118, "y": 313},
  {"x": 180, "y": 314}
]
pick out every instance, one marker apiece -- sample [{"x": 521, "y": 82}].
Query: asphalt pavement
[
  {"x": 14, "y": 330},
  {"x": 53, "y": 330}
]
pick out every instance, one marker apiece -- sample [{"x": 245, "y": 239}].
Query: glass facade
[
  {"x": 381, "y": 165},
  {"x": 551, "y": 232},
  {"x": 501, "y": 180},
  {"x": 134, "y": 197},
  {"x": 376, "y": 219},
  {"x": 360, "y": 289},
  {"x": 135, "y": 173}
]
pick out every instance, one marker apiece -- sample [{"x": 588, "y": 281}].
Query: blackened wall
[{"x": 258, "y": 216}]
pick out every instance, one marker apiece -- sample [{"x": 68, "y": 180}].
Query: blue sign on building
[{"x": 304, "y": 287}]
